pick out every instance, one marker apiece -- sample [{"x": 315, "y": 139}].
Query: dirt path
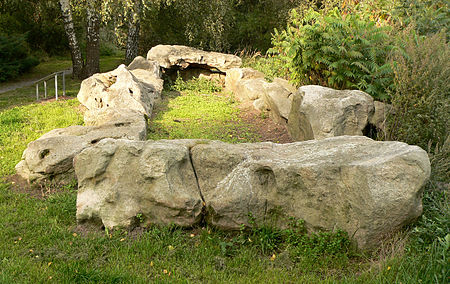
[{"x": 22, "y": 84}]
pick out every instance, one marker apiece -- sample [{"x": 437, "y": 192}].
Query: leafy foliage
[
  {"x": 330, "y": 49},
  {"x": 427, "y": 16},
  {"x": 422, "y": 91},
  {"x": 226, "y": 26},
  {"x": 14, "y": 58}
]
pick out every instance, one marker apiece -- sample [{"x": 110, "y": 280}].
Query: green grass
[
  {"x": 27, "y": 95},
  {"x": 38, "y": 242},
  {"x": 196, "y": 110},
  {"x": 21, "y": 125}
]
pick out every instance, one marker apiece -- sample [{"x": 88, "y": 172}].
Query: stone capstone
[
  {"x": 182, "y": 57},
  {"x": 122, "y": 183},
  {"x": 364, "y": 187}
]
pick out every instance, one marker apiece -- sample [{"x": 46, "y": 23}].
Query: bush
[
  {"x": 14, "y": 58},
  {"x": 336, "y": 50},
  {"x": 422, "y": 91},
  {"x": 427, "y": 16}
]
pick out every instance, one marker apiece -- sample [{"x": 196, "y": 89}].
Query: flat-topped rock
[
  {"x": 364, "y": 187},
  {"x": 182, "y": 57}
]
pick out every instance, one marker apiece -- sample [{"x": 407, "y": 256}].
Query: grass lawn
[
  {"x": 28, "y": 94},
  {"x": 40, "y": 241}
]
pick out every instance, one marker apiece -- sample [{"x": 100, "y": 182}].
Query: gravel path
[{"x": 22, "y": 84}]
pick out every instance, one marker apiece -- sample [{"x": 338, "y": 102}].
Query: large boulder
[
  {"x": 364, "y": 187},
  {"x": 278, "y": 99},
  {"x": 140, "y": 63},
  {"x": 51, "y": 156},
  {"x": 148, "y": 73},
  {"x": 235, "y": 75},
  {"x": 118, "y": 89},
  {"x": 332, "y": 112},
  {"x": 182, "y": 57},
  {"x": 122, "y": 183},
  {"x": 249, "y": 90},
  {"x": 298, "y": 124}
]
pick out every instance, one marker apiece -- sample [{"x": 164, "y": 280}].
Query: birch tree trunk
[
  {"x": 75, "y": 51},
  {"x": 134, "y": 26},
  {"x": 93, "y": 38}
]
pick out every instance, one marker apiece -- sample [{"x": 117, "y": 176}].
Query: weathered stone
[
  {"x": 278, "y": 98},
  {"x": 378, "y": 118},
  {"x": 148, "y": 73},
  {"x": 97, "y": 117},
  {"x": 365, "y": 187},
  {"x": 250, "y": 89},
  {"x": 144, "y": 64},
  {"x": 334, "y": 113},
  {"x": 178, "y": 56},
  {"x": 122, "y": 183},
  {"x": 260, "y": 105},
  {"x": 298, "y": 125},
  {"x": 117, "y": 89},
  {"x": 51, "y": 156},
  {"x": 285, "y": 83},
  {"x": 235, "y": 75},
  {"x": 150, "y": 81}
]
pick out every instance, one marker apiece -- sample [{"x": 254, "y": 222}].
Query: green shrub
[
  {"x": 14, "y": 58},
  {"x": 427, "y": 16},
  {"x": 336, "y": 50},
  {"x": 422, "y": 91}
]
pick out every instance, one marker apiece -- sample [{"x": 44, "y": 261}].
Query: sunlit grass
[
  {"x": 21, "y": 125},
  {"x": 197, "y": 110}
]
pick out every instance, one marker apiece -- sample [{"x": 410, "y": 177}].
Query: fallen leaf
[{"x": 74, "y": 234}]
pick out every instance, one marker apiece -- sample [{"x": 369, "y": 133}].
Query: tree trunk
[
  {"x": 134, "y": 26},
  {"x": 93, "y": 38},
  {"x": 75, "y": 51}
]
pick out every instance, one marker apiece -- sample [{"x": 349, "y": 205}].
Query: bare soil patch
[{"x": 265, "y": 127}]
